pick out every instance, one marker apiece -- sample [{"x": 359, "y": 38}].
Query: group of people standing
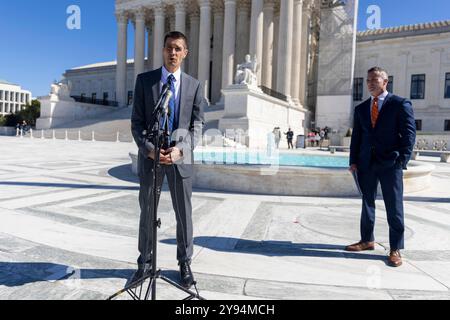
[
  {"x": 317, "y": 136},
  {"x": 381, "y": 146}
]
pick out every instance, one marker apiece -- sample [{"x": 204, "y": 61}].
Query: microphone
[{"x": 165, "y": 105}]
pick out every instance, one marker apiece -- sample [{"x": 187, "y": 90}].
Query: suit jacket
[
  {"x": 191, "y": 119},
  {"x": 391, "y": 141}
]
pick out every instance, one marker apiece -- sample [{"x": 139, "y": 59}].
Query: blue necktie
[{"x": 172, "y": 109}]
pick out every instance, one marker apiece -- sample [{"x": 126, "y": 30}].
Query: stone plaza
[{"x": 69, "y": 225}]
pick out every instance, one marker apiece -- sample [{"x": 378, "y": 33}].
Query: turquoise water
[{"x": 262, "y": 158}]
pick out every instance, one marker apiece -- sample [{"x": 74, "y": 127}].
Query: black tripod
[{"x": 159, "y": 137}]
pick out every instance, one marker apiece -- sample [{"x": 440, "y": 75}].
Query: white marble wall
[
  {"x": 403, "y": 57},
  {"x": 13, "y": 98}
]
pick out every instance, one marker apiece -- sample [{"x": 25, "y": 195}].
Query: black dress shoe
[
  {"x": 139, "y": 275},
  {"x": 187, "y": 279}
]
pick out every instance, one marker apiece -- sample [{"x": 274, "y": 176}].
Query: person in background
[{"x": 290, "y": 137}]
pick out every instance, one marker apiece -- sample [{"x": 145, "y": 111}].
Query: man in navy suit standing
[
  {"x": 383, "y": 138},
  {"x": 185, "y": 119}
]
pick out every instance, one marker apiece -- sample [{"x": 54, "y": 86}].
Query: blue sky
[{"x": 37, "y": 47}]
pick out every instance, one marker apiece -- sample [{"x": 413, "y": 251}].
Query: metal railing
[
  {"x": 273, "y": 93},
  {"x": 101, "y": 102},
  {"x": 80, "y": 135}
]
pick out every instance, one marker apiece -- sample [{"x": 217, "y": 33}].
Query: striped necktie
[
  {"x": 172, "y": 111},
  {"x": 374, "y": 112}
]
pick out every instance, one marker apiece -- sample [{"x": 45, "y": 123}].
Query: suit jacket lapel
[
  {"x": 184, "y": 114},
  {"x": 366, "y": 114},
  {"x": 156, "y": 87}
]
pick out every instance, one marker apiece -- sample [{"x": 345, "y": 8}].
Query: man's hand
[
  {"x": 173, "y": 155},
  {"x": 353, "y": 168},
  {"x": 164, "y": 158}
]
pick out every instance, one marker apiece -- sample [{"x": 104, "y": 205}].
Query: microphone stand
[{"x": 159, "y": 137}]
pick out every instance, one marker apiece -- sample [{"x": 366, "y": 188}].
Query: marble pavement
[{"x": 69, "y": 222}]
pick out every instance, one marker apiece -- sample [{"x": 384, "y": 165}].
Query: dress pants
[
  {"x": 391, "y": 180},
  {"x": 181, "y": 192}
]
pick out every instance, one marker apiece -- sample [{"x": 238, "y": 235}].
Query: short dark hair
[
  {"x": 379, "y": 70},
  {"x": 176, "y": 35}
]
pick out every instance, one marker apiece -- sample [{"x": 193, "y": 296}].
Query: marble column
[
  {"x": 204, "y": 47},
  {"x": 276, "y": 30},
  {"x": 229, "y": 43},
  {"x": 216, "y": 81},
  {"x": 296, "y": 52},
  {"x": 267, "y": 59},
  {"x": 150, "y": 45},
  {"x": 171, "y": 25},
  {"x": 306, "y": 17},
  {"x": 256, "y": 33},
  {"x": 194, "y": 42},
  {"x": 121, "y": 71},
  {"x": 180, "y": 16},
  {"x": 139, "y": 43},
  {"x": 158, "y": 40},
  {"x": 243, "y": 31},
  {"x": 285, "y": 48}
]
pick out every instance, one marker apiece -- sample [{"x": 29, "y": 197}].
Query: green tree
[{"x": 30, "y": 113}]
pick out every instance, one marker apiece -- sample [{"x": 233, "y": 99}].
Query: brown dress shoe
[
  {"x": 395, "y": 259},
  {"x": 361, "y": 246}
]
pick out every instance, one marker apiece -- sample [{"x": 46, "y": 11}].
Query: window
[
  {"x": 390, "y": 86},
  {"x": 105, "y": 96},
  {"x": 93, "y": 97},
  {"x": 1, "y": 94},
  {"x": 358, "y": 89},
  {"x": 130, "y": 97},
  {"x": 447, "y": 86},
  {"x": 83, "y": 97},
  {"x": 447, "y": 125},
  {"x": 418, "y": 86},
  {"x": 419, "y": 125}
]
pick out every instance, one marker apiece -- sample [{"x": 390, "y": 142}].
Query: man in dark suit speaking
[
  {"x": 383, "y": 138},
  {"x": 185, "y": 122}
]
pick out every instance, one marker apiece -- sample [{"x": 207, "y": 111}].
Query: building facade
[
  {"x": 417, "y": 58},
  {"x": 12, "y": 98},
  {"x": 278, "y": 33}
]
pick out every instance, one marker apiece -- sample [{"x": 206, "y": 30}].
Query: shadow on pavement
[
  {"x": 14, "y": 274},
  {"x": 123, "y": 173},
  {"x": 279, "y": 248}
]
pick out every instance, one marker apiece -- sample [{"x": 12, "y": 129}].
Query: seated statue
[
  {"x": 246, "y": 72},
  {"x": 61, "y": 90}
]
